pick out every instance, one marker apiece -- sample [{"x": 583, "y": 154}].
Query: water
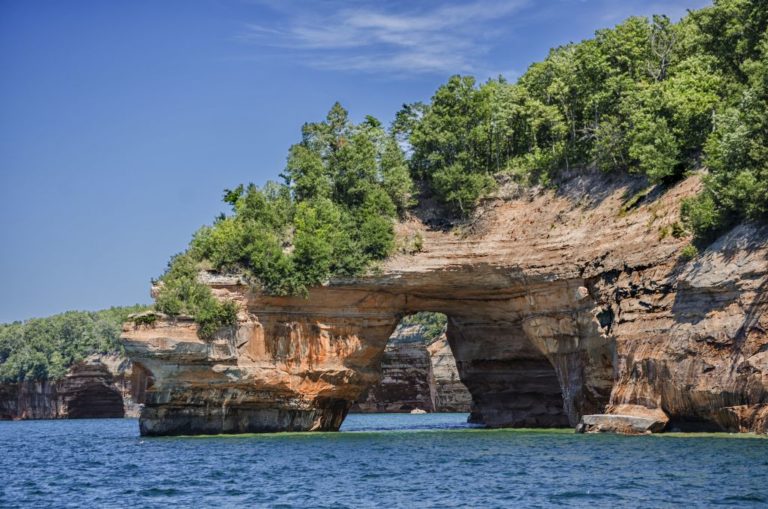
[{"x": 432, "y": 460}]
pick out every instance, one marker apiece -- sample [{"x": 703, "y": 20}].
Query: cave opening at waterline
[
  {"x": 512, "y": 382},
  {"x": 418, "y": 371}
]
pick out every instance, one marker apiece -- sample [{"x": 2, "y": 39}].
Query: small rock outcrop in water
[
  {"x": 637, "y": 420},
  {"x": 102, "y": 386},
  {"x": 560, "y": 305},
  {"x": 416, "y": 376}
]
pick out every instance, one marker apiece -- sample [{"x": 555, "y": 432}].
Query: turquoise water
[{"x": 432, "y": 460}]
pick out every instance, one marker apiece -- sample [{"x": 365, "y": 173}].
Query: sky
[{"x": 121, "y": 123}]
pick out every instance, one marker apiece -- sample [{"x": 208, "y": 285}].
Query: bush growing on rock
[{"x": 344, "y": 186}]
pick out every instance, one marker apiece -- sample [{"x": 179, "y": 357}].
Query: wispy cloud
[
  {"x": 615, "y": 12},
  {"x": 422, "y": 37},
  {"x": 405, "y": 37}
]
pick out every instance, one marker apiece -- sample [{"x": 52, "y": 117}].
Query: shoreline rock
[{"x": 416, "y": 376}]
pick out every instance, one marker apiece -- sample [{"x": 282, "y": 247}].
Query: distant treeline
[
  {"x": 432, "y": 325},
  {"x": 45, "y": 348},
  {"x": 648, "y": 97}
]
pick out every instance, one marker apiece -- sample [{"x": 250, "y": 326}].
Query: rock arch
[
  {"x": 561, "y": 305},
  {"x": 295, "y": 364}
]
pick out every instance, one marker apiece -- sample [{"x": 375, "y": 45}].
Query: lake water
[{"x": 433, "y": 460}]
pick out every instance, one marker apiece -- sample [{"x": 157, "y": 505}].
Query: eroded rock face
[
  {"x": 695, "y": 343},
  {"x": 87, "y": 391},
  {"x": 559, "y": 305},
  {"x": 405, "y": 377}
]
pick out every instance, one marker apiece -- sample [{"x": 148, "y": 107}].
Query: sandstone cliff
[
  {"x": 560, "y": 305},
  {"x": 404, "y": 385},
  {"x": 102, "y": 386}
]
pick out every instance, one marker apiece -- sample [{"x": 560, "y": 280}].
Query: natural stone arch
[
  {"x": 299, "y": 364},
  {"x": 577, "y": 275}
]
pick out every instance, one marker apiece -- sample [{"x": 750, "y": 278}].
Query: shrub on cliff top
[
  {"x": 344, "y": 186},
  {"x": 182, "y": 293}
]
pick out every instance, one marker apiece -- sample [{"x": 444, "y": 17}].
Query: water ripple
[{"x": 432, "y": 460}]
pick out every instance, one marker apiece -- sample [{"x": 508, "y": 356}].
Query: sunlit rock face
[
  {"x": 560, "y": 305},
  {"x": 447, "y": 391}
]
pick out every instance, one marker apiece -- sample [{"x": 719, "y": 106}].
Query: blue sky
[{"x": 122, "y": 122}]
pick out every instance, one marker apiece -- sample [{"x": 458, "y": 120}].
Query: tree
[{"x": 45, "y": 348}]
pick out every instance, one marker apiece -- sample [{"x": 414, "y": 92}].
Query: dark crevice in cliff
[{"x": 517, "y": 389}]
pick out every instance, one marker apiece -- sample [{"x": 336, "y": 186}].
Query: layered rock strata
[
  {"x": 560, "y": 304},
  {"x": 129, "y": 380},
  {"x": 102, "y": 386},
  {"x": 87, "y": 391},
  {"x": 448, "y": 394},
  {"x": 404, "y": 385}
]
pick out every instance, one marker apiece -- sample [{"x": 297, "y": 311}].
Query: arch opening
[
  {"x": 513, "y": 384},
  {"x": 433, "y": 362},
  {"x": 418, "y": 371},
  {"x": 89, "y": 392}
]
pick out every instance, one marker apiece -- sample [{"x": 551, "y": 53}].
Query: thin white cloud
[
  {"x": 420, "y": 36},
  {"x": 446, "y": 38}
]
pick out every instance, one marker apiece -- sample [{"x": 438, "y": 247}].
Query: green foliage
[
  {"x": 344, "y": 187},
  {"x": 45, "y": 348},
  {"x": 648, "y": 96},
  {"x": 689, "y": 252},
  {"x": 181, "y": 293},
  {"x": 148, "y": 319},
  {"x": 653, "y": 146},
  {"x": 459, "y": 189},
  {"x": 735, "y": 32},
  {"x": 678, "y": 231},
  {"x": 432, "y": 324}
]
